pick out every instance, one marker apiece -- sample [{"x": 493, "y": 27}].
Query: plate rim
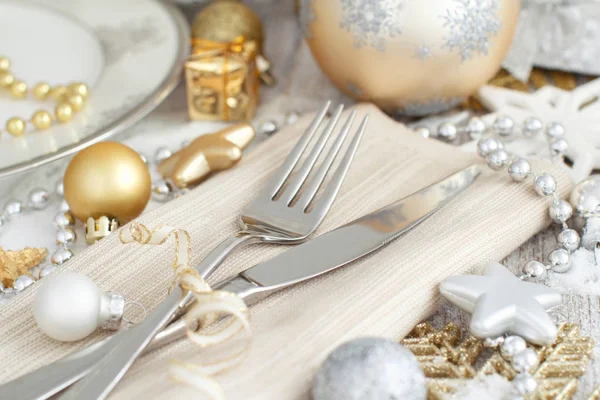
[{"x": 168, "y": 84}]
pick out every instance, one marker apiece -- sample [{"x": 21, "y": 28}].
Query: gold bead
[
  {"x": 76, "y": 101},
  {"x": 58, "y": 92},
  {"x": 80, "y": 89},
  {"x": 4, "y": 64},
  {"x": 42, "y": 119},
  {"x": 41, "y": 90},
  {"x": 18, "y": 89},
  {"x": 64, "y": 112},
  {"x": 6, "y": 79},
  {"x": 15, "y": 126}
]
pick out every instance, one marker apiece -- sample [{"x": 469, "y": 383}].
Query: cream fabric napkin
[{"x": 384, "y": 294}]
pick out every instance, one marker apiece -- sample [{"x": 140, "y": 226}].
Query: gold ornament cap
[{"x": 99, "y": 228}]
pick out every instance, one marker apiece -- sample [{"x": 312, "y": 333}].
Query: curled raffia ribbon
[{"x": 207, "y": 309}]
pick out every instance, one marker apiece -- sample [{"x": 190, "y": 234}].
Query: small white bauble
[{"x": 70, "y": 306}]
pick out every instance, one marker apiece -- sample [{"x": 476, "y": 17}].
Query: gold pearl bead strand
[{"x": 69, "y": 99}]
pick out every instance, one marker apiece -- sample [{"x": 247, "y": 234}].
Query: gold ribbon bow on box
[{"x": 222, "y": 80}]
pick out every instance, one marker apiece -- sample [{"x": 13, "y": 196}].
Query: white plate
[{"x": 129, "y": 52}]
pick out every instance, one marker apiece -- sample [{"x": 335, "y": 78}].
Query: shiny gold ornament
[
  {"x": 415, "y": 57},
  {"x": 207, "y": 154},
  {"x": 16, "y": 263},
  {"x": 41, "y": 90},
  {"x": 18, "y": 89},
  {"x": 42, "y": 120},
  {"x": 64, "y": 112},
  {"x": 107, "y": 179},
  {"x": 448, "y": 362},
  {"x": 76, "y": 101},
  {"x": 15, "y": 126},
  {"x": 80, "y": 89}
]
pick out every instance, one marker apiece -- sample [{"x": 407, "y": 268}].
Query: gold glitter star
[{"x": 14, "y": 263}]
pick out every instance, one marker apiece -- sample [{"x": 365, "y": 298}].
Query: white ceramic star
[{"x": 502, "y": 303}]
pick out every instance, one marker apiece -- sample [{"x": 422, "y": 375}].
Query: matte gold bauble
[
  {"x": 225, "y": 20},
  {"x": 107, "y": 179},
  {"x": 409, "y": 56}
]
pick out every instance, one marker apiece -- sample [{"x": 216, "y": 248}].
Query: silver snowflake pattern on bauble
[
  {"x": 307, "y": 17},
  {"x": 371, "y": 22},
  {"x": 472, "y": 23}
]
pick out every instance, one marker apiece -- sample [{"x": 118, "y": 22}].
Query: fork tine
[
  {"x": 298, "y": 180},
  {"x": 317, "y": 180},
  {"x": 282, "y": 173},
  {"x": 326, "y": 200}
]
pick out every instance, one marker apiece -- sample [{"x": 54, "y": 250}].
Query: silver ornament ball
[
  {"x": 476, "y": 128},
  {"x": 512, "y": 345},
  {"x": 532, "y": 126},
  {"x": 162, "y": 190},
  {"x": 61, "y": 256},
  {"x": 13, "y": 208},
  {"x": 369, "y": 368},
  {"x": 161, "y": 154},
  {"x": 559, "y": 260},
  {"x": 560, "y": 211},
  {"x": 63, "y": 219},
  {"x": 525, "y": 360},
  {"x": 23, "y": 282},
  {"x": 447, "y": 131},
  {"x": 555, "y": 130},
  {"x": 268, "y": 127},
  {"x": 544, "y": 185},
  {"x": 524, "y": 383},
  {"x": 65, "y": 236},
  {"x": 423, "y": 131},
  {"x": 497, "y": 159},
  {"x": 534, "y": 269},
  {"x": 503, "y": 125},
  {"x": 558, "y": 146},
  {"x": 487, "y": 145},
  {"x": 38, "y": 198},
  {"x": 519, "y": 169},
  {"x": 569, "y": 239}
]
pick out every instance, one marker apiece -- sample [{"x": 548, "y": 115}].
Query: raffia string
[{"x": 207, "y": 309}]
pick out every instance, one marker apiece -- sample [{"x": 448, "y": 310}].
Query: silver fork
[{"x": 279, "y": 214}]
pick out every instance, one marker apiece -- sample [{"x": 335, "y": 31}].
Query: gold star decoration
[
  {"x": 448, "y": 362},
  {"x": 207, "y": 154},
  {"x": 14, "y": 263}
]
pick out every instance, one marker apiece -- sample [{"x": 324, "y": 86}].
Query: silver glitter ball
[
  {"x": 63, "y": 219},
  {"x": 161, "y": 154},
  {"x": 558, "y": 146},
  {"x": 447, "y": 131},
  {"x": 268, "y": 128},
  {"x": 569, "y": 239},
  {"x": 525, "y": 360},
  {"x": 65, "y": 236},
  {"x": 519, "y": 169},
  {"x": 13, "y": 208},
  {"x": 544, "y": 185},
  {"x": 497, "y": 159},
  {"x": 370, "y": 368},
  {"x": 59, "y": 188},
  {"x": 512, "y": 345},
  {"x": 475, "y": 127},
  {"x": 61, "y": 256},
  {"x": 63, "y": 206},
  {"x": 532, "y": 126},
  {"x": 423, "y": 131},
  {"x": 143, "y": 157},
  {"x": 534, "y": 269},
  {"x": 559, "y": 260},
  {"x": 555, "y": 130},
  {"x": 560, "y": 211},
  {"x": 47, "y": 270},
  {"x": 23, "y": 282},
  {"x": 292, "y": 117},
  {"x": 586, "y": 197},
  {"x": 524, "y": 383},
  {"x": 486, "y": 145},
  {"x": 503, "y": 125},
  {"x": 38, "y": 198},
  {"x": 162, "y": 190}
]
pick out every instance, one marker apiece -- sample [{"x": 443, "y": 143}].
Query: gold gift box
[{"x": 222, "y": 80}]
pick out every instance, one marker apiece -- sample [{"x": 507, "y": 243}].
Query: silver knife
[{"x": 315, "y": 257}]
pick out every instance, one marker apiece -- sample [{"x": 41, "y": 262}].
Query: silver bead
[
  {"x": 503, "y": 125},
  {"x": 569, "y": 239},
  {"x": 544, "y": 185},
  {"x": 486, "y": 145},
  {"x": 512, "y": 345},
  {"x": 268, "y": 127},
  {"x": 65, "y": 236},
  {"x": 555, "y": 130},
  {"x": 525, "y": 360},
  {"x": 38, "y": 198},
  {"x": 532, "y": 126},
  {"x": 63, "y": 219},
  {"x": 59, "y": 188},
  {"x": 423, "y": 131},
  {"x": 559, "y": 260},
  {"x": 534, "y": 269},
  {"x": 558, "y": 146},
  {"x": 475, "y": 127},
  {"x": 519, "y": 169},
  {"x": 291, "y": 117},
  {"x": 13, "y": 208},
  {"x": 162, "y": 190},
  {"x": 63, "y": 206},
  {"x": 497, "y": 159},
  {"x": 47, "y": 270},
  {"x": 23, "y": 282},
  {"x": 560, "y": 211},
  {"x": 447, "y": 131},
  {"x": 61, "y": 256},
  {"x": 524, "y": 383},
  {"x": 161, "y": 154}
]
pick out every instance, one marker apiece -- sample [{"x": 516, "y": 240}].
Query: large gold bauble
[
  {"x": 409, "y": 56},
  {"x": 107, "y": 179},
  {"x": 225, "y": 20}
]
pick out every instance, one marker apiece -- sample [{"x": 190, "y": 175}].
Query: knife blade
[{"x": 315, "y": 257}]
